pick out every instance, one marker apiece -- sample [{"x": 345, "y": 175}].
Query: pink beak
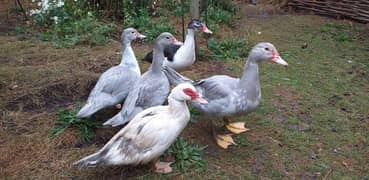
[
  {"x": 277, "y": 59},
  {"x": 205, "y": 29},
  {"x": 176, "y": 42},
  {"x": 200, "y": 100},
  {"x": 140, "y": 36}
]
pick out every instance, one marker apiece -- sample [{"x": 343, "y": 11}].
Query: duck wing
[
  {"x": 216, "y": 87},
  {"x": 174, "y": 77},
  {"x": 111, "y": 88},
  {"x": 143, "y": 139},
  {"x": 150, "y": 90},
  {"x": 218, "y": 91},
  {"x": 169, "y": 53}
]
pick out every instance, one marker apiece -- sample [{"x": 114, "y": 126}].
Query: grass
[
  {"x": 195, "y": 113},
  {"x": 312, "y": 123},
  {"x": 187, "y": 156},
  {"x": 67, "y": 119},
  {"x": 339, "y": 32},
  {"x": 228, "y": 49}
]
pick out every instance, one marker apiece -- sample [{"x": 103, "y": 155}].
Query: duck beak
[
  {"x": 176, "y": 42},
  {"x": 140, "y": 36},
  {"x": 277, "y": 59},
  {"x": 179, "y": 43},
  {"x": 205, "y": 29},
  {"x": 200, "y": 100}
]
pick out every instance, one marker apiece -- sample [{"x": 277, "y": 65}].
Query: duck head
[
  {"x": 165, "y": 39},
  {"x": 186, "y": 92},
  {"x": 130, "y": 34},
  {"x": 197, "y": 25},
  {"x": 265, "y": 51}
]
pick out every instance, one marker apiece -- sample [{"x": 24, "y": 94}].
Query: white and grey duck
[
  {"x": 151, "y": 89},
  {"x": 148, "y": 134},
  {"x": 115, "y": 83},
  {"x": 183, "y": 56},
  {"x": 228, "y": 96}
]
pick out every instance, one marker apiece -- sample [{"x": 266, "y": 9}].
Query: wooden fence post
[{"x": 195, "y": 14}]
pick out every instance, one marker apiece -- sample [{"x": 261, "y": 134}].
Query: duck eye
[
  {"x": 167, "y": 37},
  {"x": 132, "y": 32},
  {"x": 266, "y": 49}
]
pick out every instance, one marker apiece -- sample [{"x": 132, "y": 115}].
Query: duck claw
[
  {"x": 236, "y": 127},
  {"x": 163, "y": 167},
  {"x": 118, "y": 106},
  {"x": 224, "y": 141}
]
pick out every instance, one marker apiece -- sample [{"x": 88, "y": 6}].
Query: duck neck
[
  {"x": 250, "y": 77},
  {"x": 128, "y": 58},
  {"x": 179, "y": 108},
  {"x": 190, "y": 39},
  {"x": 158, "y": 58}
]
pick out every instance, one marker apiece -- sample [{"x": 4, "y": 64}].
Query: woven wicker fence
[{"x": 353, "y": 9}]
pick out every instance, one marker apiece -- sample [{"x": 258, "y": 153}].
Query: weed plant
[
  {"x": 67, "y": 118},
  {"x": 68, "y": 23},
  {"x": 187, "y": 156},
  {"x": 144, "y": 24},
  {"x": 228, "y": 49}
]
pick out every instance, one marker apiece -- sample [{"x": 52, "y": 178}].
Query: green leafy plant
[
  {"x": 218, "y": 15},
  {"x": 22, "y": 30},
  {"x": 194, "y": 113},
  {"x": 187, "y": 155},
  {"x": 143, "y": 22},
  {"x": 67, "y": 119},
  {"x": 228, "y": 49},
  {"x": 68, "y": 23},
  {"x": 226, "y": 5}
]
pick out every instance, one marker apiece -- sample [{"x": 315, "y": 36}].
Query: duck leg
[
  {"x": 163, "y": 167},
  {"x": 222, "y": 141},
  {"x": 236, "y": 127},
  {"x": 118, "y": 106}
]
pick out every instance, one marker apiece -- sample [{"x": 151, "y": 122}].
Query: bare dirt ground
[{"x": 292, "y": 134}]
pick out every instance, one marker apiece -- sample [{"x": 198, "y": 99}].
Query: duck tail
[
  {"x": 90, "y": 161},
  {"x": 95, "y": 105},
  {"x": 88, "y": 109},
  {"x": 174, "y": 77},
  {"x": 118, "y": 119}
]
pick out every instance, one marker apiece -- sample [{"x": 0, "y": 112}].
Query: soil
[{"x": 36, "y": 80}]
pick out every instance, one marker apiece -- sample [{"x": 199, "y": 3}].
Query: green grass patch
[
  {"x": 67, "y": 119},
  {"x": 195, "y": 113},
  {"x": 187, "y": 156},
  {"x": 228, "y": 49},
  {"x": 339, "y": 32}
]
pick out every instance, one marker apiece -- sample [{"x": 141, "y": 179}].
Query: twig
[
  {"x": 329, "y": 172},
  {"x": 22, "y": 9}
]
